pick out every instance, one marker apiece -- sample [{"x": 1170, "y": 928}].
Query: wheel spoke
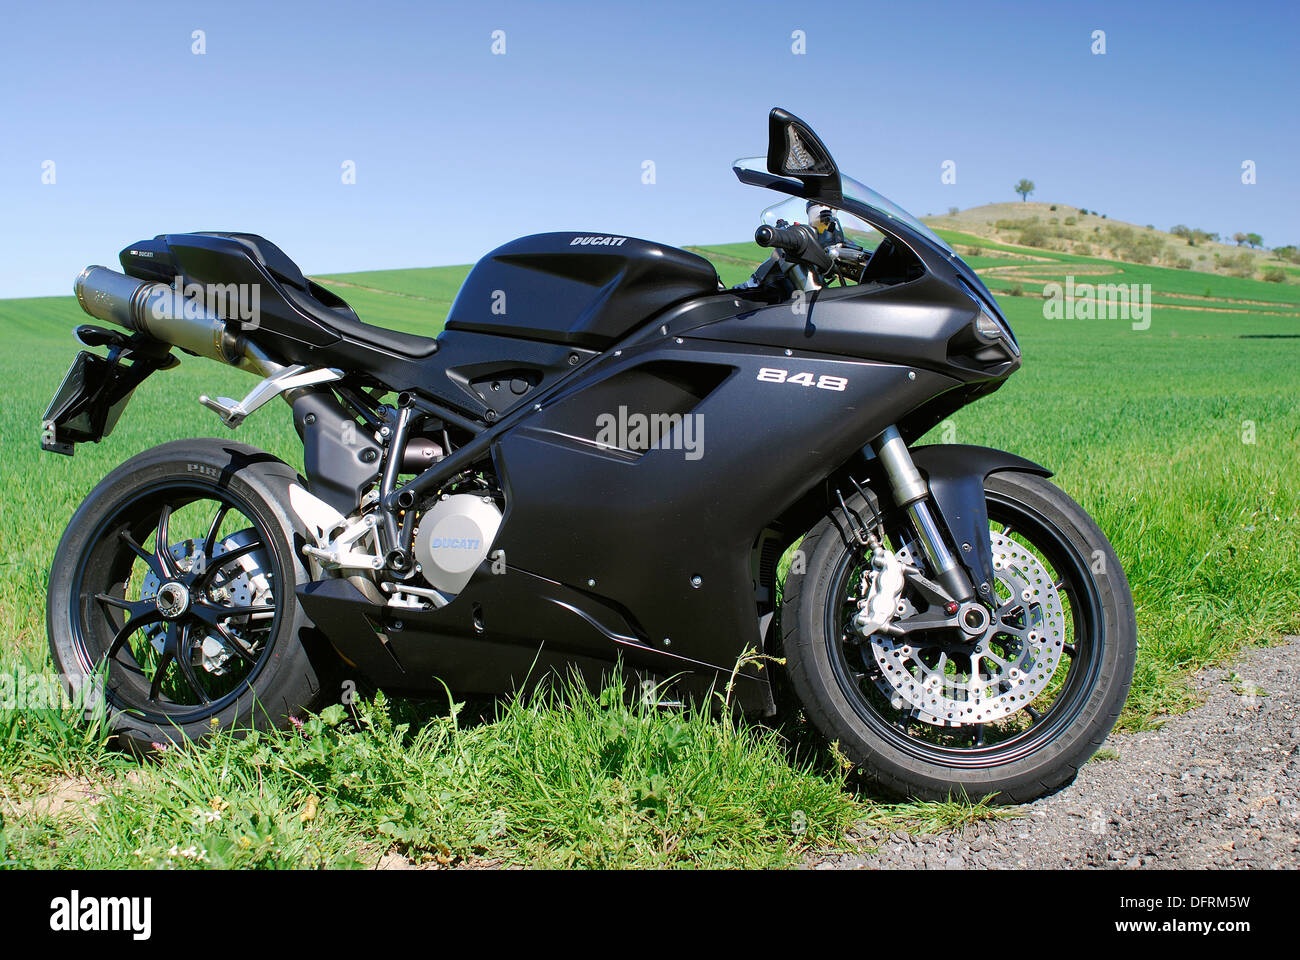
[
  {"x": 228, "y": 612},
  {"x": 210, "y": 540},
  {"x": 134, "y": 608},
  {"x": 162, "y": 545},
  {"x": 1034, "y": 715},
  {"x": 128, "y": 628},
  {"x": 185, "y": 662},
  {"x": 213, "y": 615},
  {"x": 150, "y": 560},
  {"x": 224, "y": 560},
  {"x": 235, "y": 644},
  {"x": 160, "y": 672}
]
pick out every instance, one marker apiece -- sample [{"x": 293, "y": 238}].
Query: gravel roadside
[{"x": 1217, "y": 787}]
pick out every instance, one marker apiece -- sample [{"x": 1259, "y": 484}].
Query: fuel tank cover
[{"x": 580, "y": 289}]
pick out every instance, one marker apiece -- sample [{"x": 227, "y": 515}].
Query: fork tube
[{"x": 910, "y": 492}]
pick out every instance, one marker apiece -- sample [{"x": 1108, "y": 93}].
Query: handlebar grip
[{"x": 784, "y": 238}]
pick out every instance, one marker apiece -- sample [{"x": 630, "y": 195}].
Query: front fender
[{"x": 956, "y": 473}]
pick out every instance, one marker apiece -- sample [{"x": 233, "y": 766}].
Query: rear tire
[
  {"x": 276, "y": 667},
  {"x": 1026, "y": 766}
]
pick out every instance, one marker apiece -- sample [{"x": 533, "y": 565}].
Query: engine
[
  {"x": 454, "y": 537},
  {"x": 454, "y": 534}
]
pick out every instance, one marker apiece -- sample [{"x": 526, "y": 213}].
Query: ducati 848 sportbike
[{"x": 601, "y": 460}]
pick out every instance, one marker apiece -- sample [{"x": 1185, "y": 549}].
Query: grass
[
  {"x": 566, "y": 778},
  {"x": 1180, "y": 440}
]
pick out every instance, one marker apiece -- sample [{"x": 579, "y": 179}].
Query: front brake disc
[{"x": 951, "y": 684}]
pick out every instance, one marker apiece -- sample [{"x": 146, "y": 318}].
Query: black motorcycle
[{"x": 605, "y": 458}]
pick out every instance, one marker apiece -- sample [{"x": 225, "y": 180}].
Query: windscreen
[{"x": 860, "y": 193}]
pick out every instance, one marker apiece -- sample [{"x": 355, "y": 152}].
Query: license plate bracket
[{"x": 89, "y": 401}]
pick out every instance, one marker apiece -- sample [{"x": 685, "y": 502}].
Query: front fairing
[
  {"x": 887, "y": 217},
  {"x": 933, "y": 256}
]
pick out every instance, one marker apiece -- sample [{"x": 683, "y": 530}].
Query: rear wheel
[
  {"x": 1013, "y": 712},
  {"x": 172, "y": 595}
]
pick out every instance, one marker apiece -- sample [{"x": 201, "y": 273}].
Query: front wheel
[
  {"x": 931, "y": 714},
  {"x": 171, "y": 602}
]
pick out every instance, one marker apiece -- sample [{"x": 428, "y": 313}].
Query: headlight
[
  {"x": 988, "y": 327},
  {"x": 993, "y": 329}
]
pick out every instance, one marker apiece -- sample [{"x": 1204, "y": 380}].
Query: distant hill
[{"x": 1066, "y": 229}]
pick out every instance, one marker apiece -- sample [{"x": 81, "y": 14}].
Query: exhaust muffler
[{"x": 164, "y": 313}]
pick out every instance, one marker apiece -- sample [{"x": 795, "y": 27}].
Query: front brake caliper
[{"x": 883, "y": 587}]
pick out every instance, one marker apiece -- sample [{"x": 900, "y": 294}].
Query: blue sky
[{"x": 458, "y": 150}]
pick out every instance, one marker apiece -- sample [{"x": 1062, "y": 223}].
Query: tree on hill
[
  {"x": 1254, "y": 239},
  {"x": 1192, "y": 235},
  {"x": 1024, "y": 188},
  {"x": 1239, "y": 238}
]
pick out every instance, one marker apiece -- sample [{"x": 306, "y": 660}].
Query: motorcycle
[{"x": 534, "y": 491}]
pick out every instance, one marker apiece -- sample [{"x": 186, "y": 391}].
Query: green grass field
[{"x": 1180, "y": 439}]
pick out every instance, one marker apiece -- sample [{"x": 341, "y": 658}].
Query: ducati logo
[{"x": 597, "y": 241}]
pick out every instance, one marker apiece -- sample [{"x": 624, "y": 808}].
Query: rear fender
[{"x": 956, "y": 475}]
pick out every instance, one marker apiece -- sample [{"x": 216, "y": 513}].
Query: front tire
[
  {"x": 171, "y": 603},
  {"x": 1030, "y": 752}
]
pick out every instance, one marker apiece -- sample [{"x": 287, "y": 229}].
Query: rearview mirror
[{"x": 793, "y": 150}]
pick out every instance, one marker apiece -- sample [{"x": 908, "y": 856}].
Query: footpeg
[
  {"x": 235, "y": 412},
  {"x": 227, "y": 409}
]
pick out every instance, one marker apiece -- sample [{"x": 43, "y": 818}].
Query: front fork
[{"x": 910, "y": 492}]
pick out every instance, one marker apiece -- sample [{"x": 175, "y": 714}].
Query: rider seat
[{"x": 325, "y": 306}]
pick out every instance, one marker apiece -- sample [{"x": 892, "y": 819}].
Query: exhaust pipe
[{"x": 162, "y": 312}]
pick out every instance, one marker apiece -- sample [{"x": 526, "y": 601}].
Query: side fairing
[{"x": 666, "y": 533}]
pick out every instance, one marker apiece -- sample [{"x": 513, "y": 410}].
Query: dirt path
[{"x": 1216, "y": 787}]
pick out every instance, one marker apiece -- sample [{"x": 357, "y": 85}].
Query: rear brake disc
[{"x": 244, "y": 583}]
